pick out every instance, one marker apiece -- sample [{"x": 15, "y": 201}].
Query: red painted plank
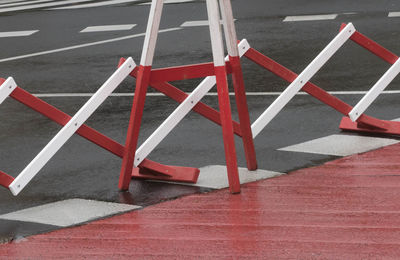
[
  {"x": 62, "y": 118},
  {"x": 179, "y": 96},
  {"x": 182, "y": 72},
  {"x": 372, "y": 46},
  {"x": 5, "y": 179}
]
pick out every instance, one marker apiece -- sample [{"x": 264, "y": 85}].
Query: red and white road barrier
[
  {"x": 134, "y": 162},
  {"x": 215, "y": 73}
]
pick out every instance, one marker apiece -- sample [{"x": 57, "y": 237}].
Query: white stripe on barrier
[
  {"x": 217, "y": 45},
  {"x": 180, "y": 112},
  {"x": 153, "y": 25},
  {"x": 7, "y": 88},
  {"x": 71, "y": 127},
  {"x": 374, "y": 92},
  {"x": 302, "y": 79},
  {"x": 229, "y": 27}
]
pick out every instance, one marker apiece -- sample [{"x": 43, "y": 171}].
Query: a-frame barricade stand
[
  {"x": 355, "y": 119},
  {"x": 216, "y": 74},
  {"x": 146, "y": 76}
]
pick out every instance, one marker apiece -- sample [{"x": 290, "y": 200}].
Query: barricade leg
[
  {"x": 223, "y": 95},
  {"x": 238, "y": 84},
  {"x": 142, "y": 83}
]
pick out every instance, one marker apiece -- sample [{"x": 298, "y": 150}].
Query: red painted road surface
[{"x": 345, "y": 209}]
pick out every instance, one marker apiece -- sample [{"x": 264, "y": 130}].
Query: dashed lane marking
[
  {"x": 197, "y": 23},
  {"x": 340, "y": 145},
  {"x": 108, "y": 28},
  {"x": 317, "y": 17},
  {"x": 68, "y": 212},
  {"x": 17, "y": 33},
  {"x": 81, "y": 46},
  {"x": 394, "y": 14},
  {"x": 171, "y": 2}
]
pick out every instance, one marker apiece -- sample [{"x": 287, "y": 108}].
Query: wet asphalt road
[{"x": 82, "y": 170}]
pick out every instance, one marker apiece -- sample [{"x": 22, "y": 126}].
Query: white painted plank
[
  {"x": 229, "y": 27},
  {"x": 394, "y": 14},
  {"x": 340, "y": 145},
  {"x": 7, "y": 88},
  {"x": 302, "y": 79},
  {"x": 317, "y": 17},
  {"x": 71, "y": 127},
  {"x": 108, "y": 28},
  {"x": 375, "y": 91},
  {"x": 69, "y": 212},
  {"x": 216, "y": 33},
  {"x": 97, "y": 4},
  {"x": 214, "y": 177},
  {"x": 17, "y": 33},
  {"x": 150, "y": 40}
]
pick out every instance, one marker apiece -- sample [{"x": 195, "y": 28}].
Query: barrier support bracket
[{"x": 150, "y": 170}]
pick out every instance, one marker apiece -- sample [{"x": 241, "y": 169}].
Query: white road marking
[
  {"x": 12, "y": 3},
  {"x": 68, "y": 212},
  {"x": 17, "y": 33},
  {"x": 82, "y": 46},
  {"x": 340, "y": 145},
  {"x": 208, "y": 94},
  {"x": 107, "y": 28},
  {"x": 215, "y": 177},
  {"x": 394, "y": 14},
  {"x": 317, "y": 17},
  {"x": 3, "y": 2},
  {"x": 98, "y": 4},
  {"x": 197, "y": 23},
  {"x": 171, "y": 2},
  {"x": 36, "y": 6}
]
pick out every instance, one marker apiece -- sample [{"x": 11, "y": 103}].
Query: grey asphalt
[{"x": 82, "y": 170}]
